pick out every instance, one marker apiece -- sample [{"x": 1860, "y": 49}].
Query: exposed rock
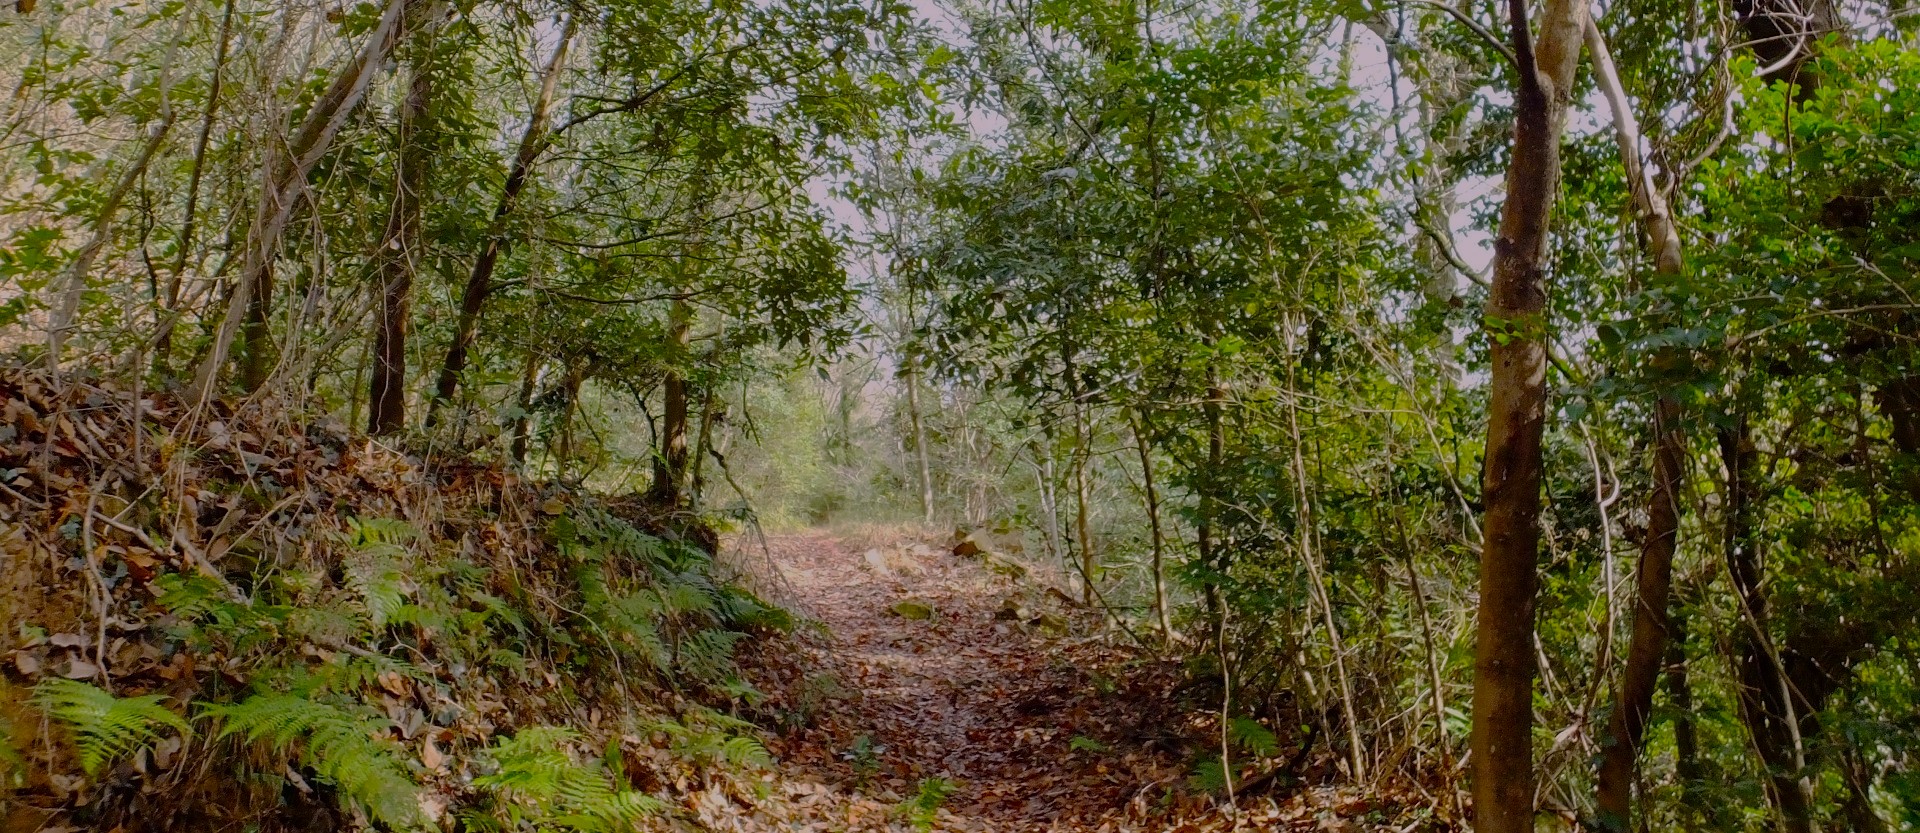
[{"x": 914, "y": 609}]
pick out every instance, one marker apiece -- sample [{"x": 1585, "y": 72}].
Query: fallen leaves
[{"x": 1041, "y": 731}]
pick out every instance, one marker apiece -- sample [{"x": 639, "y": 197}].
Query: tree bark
[
  {"x": 1899, "y": 400},
  {"x": 670, "y": 460},
  {"x": 1082, "y": 498},
  {"x": 1208, "y": 546},
  {"x": 709, "y": 415},
  {"x": 473, "y": 299},
  {"x": 1647, "y": 648},
  {"x": 1653, "y": 582},
  {"x": 523, "y": 423},
  {"x": 912, "y": 378},
  {"x": 400, "y": 244},
  {"x": 284, "y": 179},
  {"x": 1159, "y": 540},
  {"x": 1763, "y": 687},
  {"x": 1502, "y": 739}
]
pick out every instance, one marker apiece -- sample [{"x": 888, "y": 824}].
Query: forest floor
[{"x": 931, "y": 669}]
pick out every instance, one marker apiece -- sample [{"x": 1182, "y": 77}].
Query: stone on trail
[
  {"x": 877, "y": 562},
  {"x": 1003, "y": 565},
  {"x": 1050, "y": 623},
  {"x": 967, "y": 547},
  {"x": 1012, "y": 609},
  {"x": 914, "y": 609}
]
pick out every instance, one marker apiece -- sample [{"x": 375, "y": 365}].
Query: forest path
[{"x": 992, "y": 704}]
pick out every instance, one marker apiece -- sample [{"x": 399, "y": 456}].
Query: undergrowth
[{"x": 384, "y": 673}]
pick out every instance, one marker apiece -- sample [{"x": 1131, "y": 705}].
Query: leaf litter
[{"x": 1037, "y": 732}]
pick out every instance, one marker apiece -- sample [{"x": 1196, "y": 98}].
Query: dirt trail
[{"x": 990, "y": 704}]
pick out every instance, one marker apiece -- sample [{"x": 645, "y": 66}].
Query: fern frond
[
  {"x": 367, "y": 532},
  {"x": 346, "y": 749},
  {"x": 542, "y": 776},
  {"x": 707, "y": 656},
  {"x": 1257, "y": 740},
  {"x": 376, "y": 577},
  {"x": 106, "y": 729}
]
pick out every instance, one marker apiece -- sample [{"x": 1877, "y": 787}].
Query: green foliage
[
  {"x": 106, "y": 729},
  {"x": 924, "y": 807},
  {"x": 709, "y": 738},
  {"x": 865, "y": 758},
  {"x": 1255, "y": 739},
  {"x": 347, "y": 748},
  {"x": 1082, "y": 743},
  {"x": 543, "y": 781}
]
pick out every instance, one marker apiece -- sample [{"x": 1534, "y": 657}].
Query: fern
[
  {"x": 376, "y": 577},
  {"x": 1209, "y": 775},
  {"x": 367, "y": 532},
  {"x": 543, "y": 783},
  {"x": 1257, "y": 740},
  {"x": 709, "y": 738},
  {"x": 684, "y": 594},
  {"x": 738, "y": 608},
  {"x": 13, "y": 765},
  {"x": 346, "y": 749},
  {"x": 707, "y": 656},
  {"x": 1082, "y": 743},
  {"x": 924, "y": 807},
  {"x": 106, "y": 729}
]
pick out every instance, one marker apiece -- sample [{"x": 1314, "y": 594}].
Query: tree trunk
[
  {"x": 284, "y": 180},
  {"x": 1899, "y": 401},
  {"x": 1303, "y": 535},
  {"x": 1204, "y": 532},
  {"x": 523, "y": 423},
  {"x": 709, "y": 414},
  {"x": 1647, "y": 648},
  {"x": 75, "y": 283},
  {"x": 670, "y": 460},
  {"x": 400, "y": 245},
  {"x": 163, "y": 342},
  {"x": 1159, "y": 541},
  {"x": 912, "y": 379},
  {"x": 1502, "y": 740},
  {"x": 1763, "y": 688},
  {"x": 480, "y": 280},
  {"x": 1082, "y": 498}
]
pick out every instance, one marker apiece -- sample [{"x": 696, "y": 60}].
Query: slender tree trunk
[
  {"x": 400, "y": 244},
  {"x": 523, "y": 423},
  {"x": 163, "y": 344},
  {"x": 1049, "y": 495},
  {"x": 1082, "y": 502},
  {"x": 1765, "y": 702},
  {"x": 1899, "y": 401},
  {"x": 1686, "y": 738},
  {"x": 670, "y": 460},
  {"x": 1502, "y": 740},
  {"x": 1859, "y": 812},
  {"x": 1647, "y": 648},
  {"x": 473, "y": 299},
  {"x": 74, "y": 284},
  {"x": 1303, "y": 534},
  {"x": 709, "y": 414},
  {"x": 914, "y": 420},
  {"x": 1209, "y": 504},
  {"x": 1159, "y": 541},
  {"x": 576, "y": 378},
  {"x": 284, "y": 179}
]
